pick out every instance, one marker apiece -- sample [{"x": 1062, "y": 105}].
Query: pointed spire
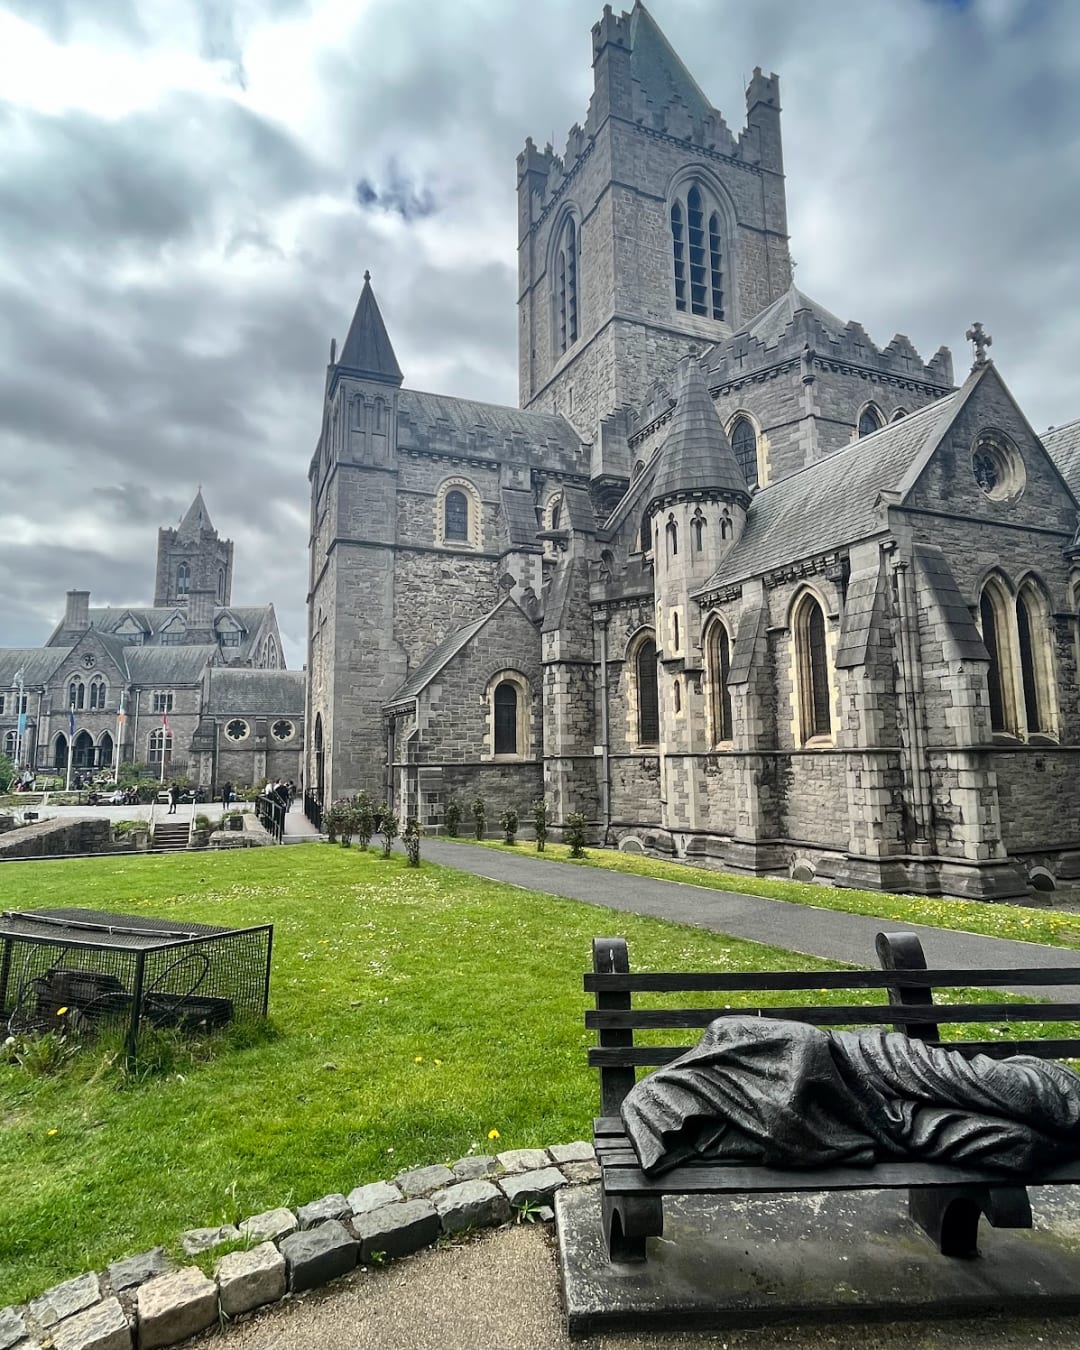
[
  {"x": 367, "y": 349},
  {"x": 697, "y": 455},
  {"x": 197, "y": 518}
]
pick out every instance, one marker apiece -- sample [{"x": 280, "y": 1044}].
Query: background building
[{"x": 213, "y": 672}]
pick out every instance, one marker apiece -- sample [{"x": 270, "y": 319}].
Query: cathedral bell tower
[
  {"x": 193, "y": 559},
  {"x": 697, "y": 512}
]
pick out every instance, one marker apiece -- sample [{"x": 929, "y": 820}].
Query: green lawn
[
  {"x": 412, "y": 1013},
  {"x": 968, "y": 916}
]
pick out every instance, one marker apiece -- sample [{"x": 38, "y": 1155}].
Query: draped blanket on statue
[{"x": 787, "y": 1094}]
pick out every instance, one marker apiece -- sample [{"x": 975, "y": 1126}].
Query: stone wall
[{"x": 51, "y": 838}]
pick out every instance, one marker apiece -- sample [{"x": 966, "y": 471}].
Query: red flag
[{"x": 165, "y": 724}]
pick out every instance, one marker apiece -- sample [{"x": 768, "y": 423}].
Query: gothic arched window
[
  {"x": 1036, "y": 659},
  {"x": 97, "y": 694},
  {"x": 221, "y": 585},
  {"x": 648, "y": 695},
  {"x": 76, "y": 694},
  {"x": 672, "y": 531},
  {"x": 990, "y": 613},
  {"x": 320, "y": 758},
  {"x": 812, "y": 661},
  {"x": 566, "y": 283},
  {"x": 697, "y": 532},
  {"x": 183, "y": 579},
  {"x": 506, "y": 718},
  {"x": 697, "y": 252},
  {"x": 744, "y": 443},
  {"x": 870, "y": 420},
  {"x": 718, "y": 666},
  {"x": 456, "y": 515}
]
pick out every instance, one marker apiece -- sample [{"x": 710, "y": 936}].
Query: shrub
[
  {"x": 574, "y": 834},
  {"x": 410, "y": 837},
  {"x": 364, "y": 818},
  {"x": 339, "y": 821},
  {"x": 479, "y": 812},
  {"x": 389, "y": 830},
  {"x": 540, "y": 823},
  {"x": 7, "y": 772},
  {"x": 509, "y": 822},
  {"x": 453, "y": 817}
]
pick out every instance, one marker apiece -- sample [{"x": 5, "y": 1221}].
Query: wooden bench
[{"x": 946, "y": 1201}]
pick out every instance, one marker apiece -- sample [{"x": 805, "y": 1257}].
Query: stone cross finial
[
  {"x": 981, "y": 340},
  {"x": 367, "y": 275}
]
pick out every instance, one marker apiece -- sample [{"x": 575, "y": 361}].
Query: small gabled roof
[
  {"x": 772, "y": 323},
  {"x": 440, "y": 656},
  {"x": 196, "y": 518},
  {"x": 368, "y": 350},
  {"x": 697, "y": 455}
]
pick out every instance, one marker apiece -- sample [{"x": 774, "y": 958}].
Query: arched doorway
[
  {"x": 82, "y": 756},
  {"x": 60, "y": 757},
  {"x": 105, "y": 749}
]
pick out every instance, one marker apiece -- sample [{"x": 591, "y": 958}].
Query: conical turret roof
[
  {"x": 367, "y": 349},
  {"x": 697, "y": 455},
  {"x": 195, "y": 519}
]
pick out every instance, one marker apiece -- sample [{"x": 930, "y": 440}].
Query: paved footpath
[{"x": 828, "y": 933}]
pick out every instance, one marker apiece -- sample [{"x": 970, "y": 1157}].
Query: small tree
[
  {"x": 479, "y": 811},
  {"x": 574, "y": 834},
  {"x": 453, "y": 817},
  {"x": 332, "y": 821},
  {"x": 347, "y": 823},
  {"x": 389, "y": 829},
  {"x": 509, "y": 822},
  {"x": 540, "y": 822},
  {"x": 410, "y": 837},
  {"x": 364, "y": 817}
]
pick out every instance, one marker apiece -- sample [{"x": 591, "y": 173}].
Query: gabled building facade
[
  {"x": 162, "y": 685},
  {"x": 735, "y": 582}
]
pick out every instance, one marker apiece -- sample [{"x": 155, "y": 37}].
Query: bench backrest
[{"x": 905, "y": 978}]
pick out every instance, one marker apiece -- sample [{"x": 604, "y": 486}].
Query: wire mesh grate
[{"x": 92, "y": 969}]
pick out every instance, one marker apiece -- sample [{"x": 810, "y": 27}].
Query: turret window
[
  {"x": 672, "y": 539},
  {"x": 566, "y": 285},
  {"x": 697, "y": 532},
  {"x": 697, "y": 250},
  {"x": 744, "y": 443}
]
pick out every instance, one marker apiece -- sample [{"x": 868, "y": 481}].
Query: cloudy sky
[{"x": 190, "y": 191}]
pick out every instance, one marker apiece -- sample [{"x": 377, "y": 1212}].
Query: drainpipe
[
  {"x": 605, "y": 747},
  {"x": 913, "y": 687},
  {"x": 389, "y": 790},
  {"x": 135, "y": 729}
]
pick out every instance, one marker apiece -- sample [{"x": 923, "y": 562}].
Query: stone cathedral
[{"x": 734, "y": 581}]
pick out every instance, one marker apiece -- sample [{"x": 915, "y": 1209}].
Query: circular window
[
  {"x": 237, "y": 729},
  {"x": 997, "y": 466},
  {"x": 282, "y": 730}
]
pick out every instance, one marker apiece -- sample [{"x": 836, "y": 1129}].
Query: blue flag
[
  {"x": 71, "y": 721},
  {"x": 22, "y": 724}
]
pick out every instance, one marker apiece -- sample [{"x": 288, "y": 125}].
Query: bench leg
[
  {"x": 628, "y": 1222},
  {"x": 950, "y": 1214}
]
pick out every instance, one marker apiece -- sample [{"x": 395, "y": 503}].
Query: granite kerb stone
[{"x": 146, "y": 1299}]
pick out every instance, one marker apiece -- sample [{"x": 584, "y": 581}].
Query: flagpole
[
  {"x": 71, "y": 746},
  {"x": 20, "y": 720},
  {"x": 120, "y": 716}
]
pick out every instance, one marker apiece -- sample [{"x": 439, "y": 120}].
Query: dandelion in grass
[
  {"x": 419, "y": 1059},
  {"x": 61, "y": 1011},
  {"x": 494, "y": 1134},
  {"x": 52, "y": 1132}
]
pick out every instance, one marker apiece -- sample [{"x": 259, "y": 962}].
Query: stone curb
[{"x": 143, "y": 1302}]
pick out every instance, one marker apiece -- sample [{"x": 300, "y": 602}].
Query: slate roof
[
  {"x": 258, "y": 693},
  {"x": 464, "y": 414},
  {"x": 656, "y": 67},
  {"x": 772, "y": 323},
  {"x": 1063, "y": 447},
  {"x": 197, "y": 518},
  {"x": 367, "y": 348},
  {"x": 151, "y": 619},
  {"x": 438, "y": 657},
  {"x": 834, "y": 501},
  {"x": 168, "y": 665},
  {"x": 697, "y": 455},
  {"x": 36, "y": 663},
  {"x": 520, "y": 512},
  {"x": 962, "y": 639}
]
